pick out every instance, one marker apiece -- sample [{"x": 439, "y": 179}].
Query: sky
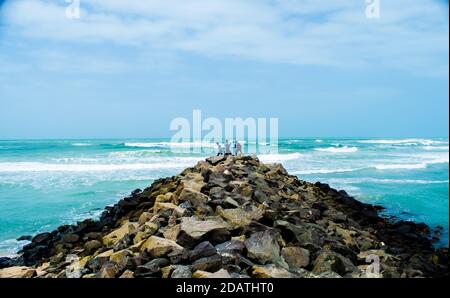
[{"x": 127, "y": 68}]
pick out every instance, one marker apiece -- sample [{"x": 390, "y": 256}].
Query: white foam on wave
[
  {"x": 134, "y": 154},
  {"x": 386, "y": 181},
  {"x": 270, "y": 158},
  {"x": 400, "y": 166},
  {"x": 10, "y": 247},
  {"x": 47, "y": 167},
  {"x": 172, "y": 145},
  {"x": 425, "y": 142},
  {"x": 344, "y": 149},
  {"x": 81, "y": 144},
  {"x": 324, "y": 171},
  {"x": 432, "y": 148}
]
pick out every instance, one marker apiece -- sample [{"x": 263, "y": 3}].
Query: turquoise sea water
[{"x": 44, "y": 184}]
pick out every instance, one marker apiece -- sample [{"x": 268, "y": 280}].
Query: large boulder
[
  {"x": 158, "y": 247},
  {"x": 329, "y": 261},
  {"x": 117, "y": 235},
  {"x": 264, "y": 247},
  {"x": 271, "y": 271},
  {"x": 197, "y": 228},
  {"x": 296, "y": 257},
  {"x": 240, "y": 217},
  {"x": 17, "y": 272},
  {"x": 195, "y": 198}
]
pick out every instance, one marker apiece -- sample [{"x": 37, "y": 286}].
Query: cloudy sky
[{"x": 127, "y": 68}]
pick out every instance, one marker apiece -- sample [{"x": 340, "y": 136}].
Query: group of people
[{"x": 228, "y": 147}]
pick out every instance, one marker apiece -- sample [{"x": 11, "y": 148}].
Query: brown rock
[{"x": 296, "y": 257}]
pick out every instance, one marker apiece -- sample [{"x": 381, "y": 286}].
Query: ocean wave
[
  {"x": 172, "y": 145},
  {"x": 425, "y": 142},
  {"x": 324, "y": 171},
  {"x": 138, "y": 153},
  {"x": 270, "y": 158},
  {"x": 81, "y": 144},
  {"x": 400, "y": 166},
  {"x": 432, "y": 148},
  {"x": 10, "y": 247},
  {"x": 46, "y": 167},
  {"x": 344, "y": 149},
  {"x": 385, "y": 181}
]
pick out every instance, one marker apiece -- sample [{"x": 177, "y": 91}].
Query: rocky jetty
[{"x": 234, "y": 218}]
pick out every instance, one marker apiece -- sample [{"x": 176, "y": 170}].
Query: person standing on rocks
[
  {"x": 227, "y": 148},
  {"x": 238, "y": 149},
  {"x": 219, "y": 149}
]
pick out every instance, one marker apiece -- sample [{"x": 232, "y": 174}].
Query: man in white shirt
[{"x": 219, "y": 149}]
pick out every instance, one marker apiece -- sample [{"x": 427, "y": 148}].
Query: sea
[{"x": 47, "y": 183}]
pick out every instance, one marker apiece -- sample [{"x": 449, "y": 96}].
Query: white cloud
[{"x": 411, "y": 35}]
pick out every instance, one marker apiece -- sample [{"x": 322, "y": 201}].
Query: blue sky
[{"x": 127, "y": 68}]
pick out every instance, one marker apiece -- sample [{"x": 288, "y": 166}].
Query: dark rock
[
  {"x": 233, "y": 246},
  {"x": 204, "y": 249},
  {"x": 151, "y": 267},
  {"x": 25, "y": 238},
  {"x": 209, "y": 264},
  {"x": 328, "y": 261},
  {"x": 264, "y": 247},
  {"x": 42, "y": 238},
  {"x": 182, "y": 272}
]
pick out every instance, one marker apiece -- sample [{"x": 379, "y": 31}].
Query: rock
[
  {"x": 329, "y": 274},
  {"x": 5, "y": 262},
  {"x": 181, "y": 272},
  {"x": 121, "y": 258},
  {"x": 108, "y": 270},
  {"x": 172, "y": 233},
  {"x": 204, "y": 249},
  {"x": 94, "y": 236},
  {"x": 152, "y": 267},
  {"x": 97, "y": 263},
  {"x": 91, "y": 246},
  {"x": 41, "y": 238},
  {"x": 210, "y": 264},
  {"x": 127, "y": 274},
  {"x": 148, "y": 229},
  {"x": 271, "y": 271},
  {"x": 239, "y": 217},
  {"x": 117, "y": 235},
  {"x": 222, "y": 273},
  {"x": 216, "y": 160},
  {"x": 17, "y": 272},
  {"x": 260, "y": 196},
  {"x": 194, "y": 181},
  {"x": 25, "y": 238},
  {"x": 71, "y": 238},
  {"x": 264, "y": 247},
  {"x": 233, "y": 247},
  {"x": 196, "y": 228},
  {"x": 145, "y": 217},
  {"x": 158, "y": 247},
  {"x": 195, "y": 198},
  {"x": 329, "y": 261},
  {"x": 296, "y": 257}
]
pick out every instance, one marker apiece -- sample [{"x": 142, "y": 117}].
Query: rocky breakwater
[{"x": 233, "y": 218}]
